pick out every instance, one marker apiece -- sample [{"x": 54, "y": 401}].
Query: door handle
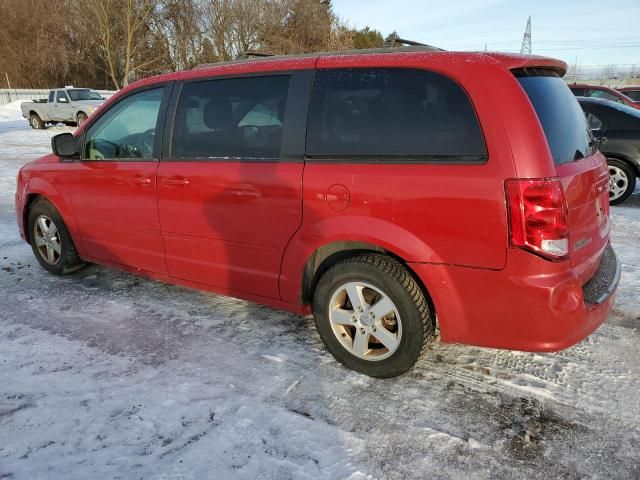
[
  {"x": 177, "y": 181},
  {"x": 139, "y": 180}
]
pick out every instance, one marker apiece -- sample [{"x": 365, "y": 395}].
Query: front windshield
[{"x": 84, "y": 94}]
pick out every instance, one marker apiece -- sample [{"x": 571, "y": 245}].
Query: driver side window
[{"x": 127, "y": 130}]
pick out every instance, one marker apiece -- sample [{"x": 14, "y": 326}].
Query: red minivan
[{"x": 387, "y": 192}]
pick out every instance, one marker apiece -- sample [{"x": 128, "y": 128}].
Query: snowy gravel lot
[{"x": 107, "y": 375}]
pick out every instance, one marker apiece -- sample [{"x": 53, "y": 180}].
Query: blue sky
[{"x": 593, "y": 32}]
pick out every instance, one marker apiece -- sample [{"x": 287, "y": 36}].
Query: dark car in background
[
  {"x": 632, "y": 92},
  {"x": 620, "y": 125},
  {"x": 597, "y": 91}
]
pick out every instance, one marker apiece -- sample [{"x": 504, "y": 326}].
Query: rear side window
[
  {"x": 633, "y": 95},
  {"x": 231, "y": 118},
  {"x": 51, "y": 96},
  {"x": 392, "y": 112},
  {"x": 562, "y": 119}
]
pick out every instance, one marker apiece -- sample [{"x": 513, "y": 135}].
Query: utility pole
[
  {"x": 526, "y": 39},
  {"x": 9, "y": 85}
]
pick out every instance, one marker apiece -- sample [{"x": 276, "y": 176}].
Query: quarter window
[
  {"x": 594, "y": 121},
  {"x": 392, "y": 112},
  {"x": 231, "y": 118},
  {"x": 633, "y": 95},
  {"x": 127, "y": 130}
]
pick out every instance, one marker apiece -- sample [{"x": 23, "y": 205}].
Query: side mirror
[
  {"x": 62, "y": 100},
  {"x": 63, "y": 145}
]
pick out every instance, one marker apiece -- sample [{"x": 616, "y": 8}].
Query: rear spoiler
[{"x": 520, "y": 62}]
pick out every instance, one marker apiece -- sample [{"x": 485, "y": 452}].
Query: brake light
[{"x": 538, "y": 216}]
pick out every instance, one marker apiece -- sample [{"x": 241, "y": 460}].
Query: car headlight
[{"x": 91, "y": 109}]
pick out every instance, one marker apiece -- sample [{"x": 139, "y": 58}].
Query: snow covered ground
[{"x": 107, "y": 375}]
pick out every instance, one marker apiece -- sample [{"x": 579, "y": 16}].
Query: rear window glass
[
  {"x": 386, "y": 112},
  {"x": 561, "y": 117}
]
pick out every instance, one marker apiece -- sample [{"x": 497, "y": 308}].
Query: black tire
[
  {"x": 68, "y": 260},
  {"x": 81, "y": 118},
  {"x": 631, "y": 179},
  {"x": 36, "y": 122},
  {"x": 389, "y": 276}
]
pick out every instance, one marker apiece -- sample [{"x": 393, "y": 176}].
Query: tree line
[{"x": 111, "y": 43}]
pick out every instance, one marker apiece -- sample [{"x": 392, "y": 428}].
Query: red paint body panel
[
  {"x": 247, "y": 229},
  {"x": 116, "y": 210},
  {"x": 228, "y": 226},
  {"x": 531, "y": 305},
  {"x": 586, "y": 186}
]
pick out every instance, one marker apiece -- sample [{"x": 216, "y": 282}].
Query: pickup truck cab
[
  {"x": 384, "y": 191},
  {"x": 67, "y": 105}
]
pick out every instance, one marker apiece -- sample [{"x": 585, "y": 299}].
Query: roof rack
[
  {"x": 260, "y": 57},
  {"x": 394, "y": 40},
  {"x": 252, "y": 53}
]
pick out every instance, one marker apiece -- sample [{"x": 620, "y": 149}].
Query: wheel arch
[
  {"x": 327, "y": 255},
  {"x": 39, "y": 189},
  {"x": 623, "y": 158}
]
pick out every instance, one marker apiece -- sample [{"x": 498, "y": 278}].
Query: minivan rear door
[{"x": 582, "y": 169}]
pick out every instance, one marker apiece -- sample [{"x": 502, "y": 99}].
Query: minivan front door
[
  {"x": 113, "y": 188},
  {"x": 230, "y": 190}
]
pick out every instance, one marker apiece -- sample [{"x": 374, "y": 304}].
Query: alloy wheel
[
  {"x": 365, "y": 321},
  {"x": 47, "y": 239},
  {"x": 618, "y": 182}
]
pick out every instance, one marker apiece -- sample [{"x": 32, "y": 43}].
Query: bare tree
[
  {"x": 122, "y": 32},
  {"x": 181, "y": 23},
  {"x": 608, "y": 72},
  {"x": 109, "y": 43}
]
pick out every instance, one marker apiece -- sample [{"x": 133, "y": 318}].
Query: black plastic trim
[
  {"x": 609, "y": 273},
  {"x": 401, "y": 159}
]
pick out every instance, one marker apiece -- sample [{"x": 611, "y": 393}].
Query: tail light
[{"x": 538, "y": 216}]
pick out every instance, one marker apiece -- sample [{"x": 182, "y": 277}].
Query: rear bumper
[{"x": 531, "y": 305}]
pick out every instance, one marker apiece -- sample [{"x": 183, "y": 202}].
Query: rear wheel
[
  {"x": 81, "y": 118},
  {"x": 372, "y": 315},
  {"x": 622, "y": 181},
  {"x": 50, "y": 240},
  {"x": 36, "y": 122}
]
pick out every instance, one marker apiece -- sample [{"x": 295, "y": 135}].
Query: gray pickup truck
[{"x": 68, "y": 105}]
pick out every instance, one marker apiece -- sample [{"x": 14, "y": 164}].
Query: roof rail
[
  {"x": 266, "y": 57},
  {"x": 253, "y": 53},
  {"x": 394, "y": 40}
]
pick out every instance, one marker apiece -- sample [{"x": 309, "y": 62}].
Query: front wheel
[
  {"x": 372, "y": 315},
  {"x": 622, "y": 181},
  {"x": 50, "y": 240}
]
